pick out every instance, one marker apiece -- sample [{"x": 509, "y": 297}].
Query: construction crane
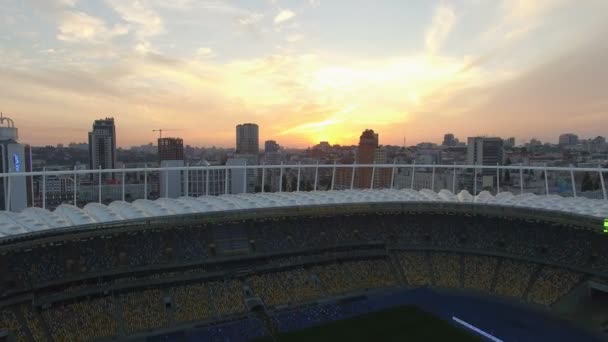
[{"x": 160, "y": 131}]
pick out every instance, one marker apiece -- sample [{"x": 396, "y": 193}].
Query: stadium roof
[{"x": 37, "y": 219}]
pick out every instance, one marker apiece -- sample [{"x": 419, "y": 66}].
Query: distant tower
[
  {"x": 368, "y": 143},
  {"x": 15, "y": 158},
  {"x": 247, "y": 139},
  {"x": 485, "y": 151},
  {"x": 102, "y": 146}
]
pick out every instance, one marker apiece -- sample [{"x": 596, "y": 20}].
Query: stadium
[{"x": 269, "y": 265}]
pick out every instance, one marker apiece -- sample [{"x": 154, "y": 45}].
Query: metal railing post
[
  {"x": 75, "y": 186},
  {"x": 263, "y": 176},
  {"x": 207, "y": 182},
  {"x": 546, "y": 181},
  {"x": 8, "y": 191},
  {"x": 298, "y": 185},
  {"x": 123, "y": 183},
  {"x": 373, "y": 178},
  {"x": 316, "y": 176},
  {"x": 146, "y": 181},
  {"x": 602, "y": 182},
  {"x": 43, "y": 190},
  {"x": 352, "y": 177},
  {"x": 521, "y": 179},
  {"x": 245, "y": 179},
  {"x": 433, "y": 178},
  {"x": 454, "y": 179},
  {"x": 99, "y": 185},
  {"x": 187, "y": 186},
  {"x": 333, "y": 175},
  {"x": 497, "y": 179},
  {"x": 393, "y": 175},
  {"x": 226, "y": 181},
  {"x": 413, "y": 173},
  {"x": 166, "y": 183},
  {"x": 281, "y": 178},
  {"x": 573, "y": 183},
  {"x": 475, "y": 180}
]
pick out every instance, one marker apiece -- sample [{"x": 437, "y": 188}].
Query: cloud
[
  {"x": 284, "y": 15},
  {"x": 294, "y": 38},
  {"x": 205, "y": 52},
  {"x": 140, "y": 14},
  {"x": 443, "y": 21},
  {"x": 81, "y": 27},
  {"x": 250, "y": 19}
]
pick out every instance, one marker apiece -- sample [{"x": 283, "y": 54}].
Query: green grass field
[{"x": 398, "y": 324}]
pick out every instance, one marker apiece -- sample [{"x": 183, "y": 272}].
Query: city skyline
[{"x": 304, "y": 71}]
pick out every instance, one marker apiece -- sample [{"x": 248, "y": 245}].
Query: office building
[
  {"x": 15, "y": 192},
  {"x": 271, "y": 157},
  {"x": 568, "y": 139},
  {"x": 368, "y": 143},
  {"x": 102, "y": 147},
  {"x": 247, "y": 139},
  {"x": 210, "y": 182},
  {"x": 485, "y": 151}
]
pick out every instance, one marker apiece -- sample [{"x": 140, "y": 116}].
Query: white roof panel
[{"x": 37, "y": 219}]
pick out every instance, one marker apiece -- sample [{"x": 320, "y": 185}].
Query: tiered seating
[
  {"x": 371, "y": 274},
  {"x": 33, "y": 323},
  {"x": 551, "y": 284},
  {"x": 191, "y": 303},
  {"x": 415, "y": 268},
  {"x": 143, "y": 310},
  {"x": 271, "y": 287},
  {"x": 479, "y": 272},
  {"x": 82, "y": 321},
  {"x": 334, "y": 278},
  {"x": 513, "y": 278},
  {"x": 227, "y": 296},
  {"x": 447, "y": 269},
  {"x": 8, "y": 320}
]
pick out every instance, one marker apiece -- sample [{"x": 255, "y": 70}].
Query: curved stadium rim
[{"x": 575, "y": 220}]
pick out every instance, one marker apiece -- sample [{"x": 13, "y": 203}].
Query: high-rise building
[
  {"x": 170, "y": 149},
  {"x": 382, "y": 176},
  {"x": 449, "y": 140},
  {"x": 15, "y": 192},
  {"x": 271, "y": 146},
  {"x": 485, "y": 151},
  {"x": 368, "y": 143},
  {"x": 568, "y": 139},
  {"x": 102, "y": 146},
  {"x": 247, "y": 139},
  {"x": 271, "y": 157},
  {"x": 171, "y": 154},
  {"x": 510, "y": 142}
]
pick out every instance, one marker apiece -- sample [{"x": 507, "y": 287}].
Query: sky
[{"x": 304, "y": 71}]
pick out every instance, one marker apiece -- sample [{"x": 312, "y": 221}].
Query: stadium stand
[{"x": 82, "y": 286}]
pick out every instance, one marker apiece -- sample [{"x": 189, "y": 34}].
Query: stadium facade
[{"x": 245, "y": 265}]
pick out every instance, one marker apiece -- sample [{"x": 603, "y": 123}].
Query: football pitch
[{"x": 398, "y": 324}]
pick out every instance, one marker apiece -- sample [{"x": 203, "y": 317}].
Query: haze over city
[{"x": 305, "y": 71}]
